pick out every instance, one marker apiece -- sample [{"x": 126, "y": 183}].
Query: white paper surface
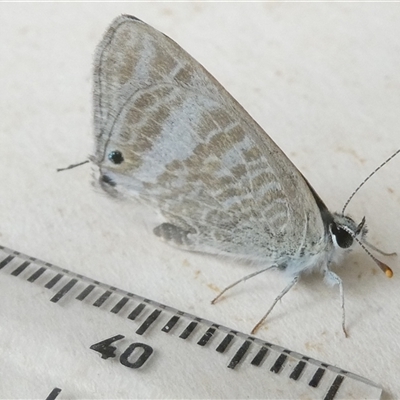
[{"x": 321, "y": 78}]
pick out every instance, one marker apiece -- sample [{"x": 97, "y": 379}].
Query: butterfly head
[{"x": 344, "y": 231}]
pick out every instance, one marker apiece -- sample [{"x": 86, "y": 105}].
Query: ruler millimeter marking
[{"x": 148, "y": 315}]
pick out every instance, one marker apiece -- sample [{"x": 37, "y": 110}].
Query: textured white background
[{"x": 321, "y": 78}]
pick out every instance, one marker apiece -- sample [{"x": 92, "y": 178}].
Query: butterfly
[{"x": 167, "y": 134}]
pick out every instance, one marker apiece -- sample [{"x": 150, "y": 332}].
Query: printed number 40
[{"x": 135, "y": 355}]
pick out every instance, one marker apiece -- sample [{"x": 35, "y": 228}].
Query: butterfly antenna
[
  {"x": 367, "y": 178},
  {"x": 72, "y": 166},
  {"x": 385, "y": 268}
]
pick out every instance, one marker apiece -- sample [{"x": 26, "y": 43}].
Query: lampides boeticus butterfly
[{"x": 169, "y": 135}]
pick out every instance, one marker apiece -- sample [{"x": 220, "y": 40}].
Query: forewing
[{"x": 191, "y": 150}]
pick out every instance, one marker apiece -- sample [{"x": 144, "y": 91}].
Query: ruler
[{"x": 64, "y": 335}]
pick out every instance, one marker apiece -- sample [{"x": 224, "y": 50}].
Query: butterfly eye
[
  {"x": 116, "y": 157},
  {"x": 343, "y": 238}
]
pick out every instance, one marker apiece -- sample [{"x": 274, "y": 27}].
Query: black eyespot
[
  {"x": 116, "y": 157},
  {"x": 343, "y": 238},
  {"x": 108, "y": 180}
]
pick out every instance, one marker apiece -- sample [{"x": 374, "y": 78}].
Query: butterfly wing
[{"x": 193, "y": 152}]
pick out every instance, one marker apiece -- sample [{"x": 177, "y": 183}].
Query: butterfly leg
[
  {"x": 379, "y": 250},
  {"x": 245, "y": 278},
  {"x": 284, "y": 291},
  {"x": 173, "y": 234},
  {"x": 332, "y": 279}
]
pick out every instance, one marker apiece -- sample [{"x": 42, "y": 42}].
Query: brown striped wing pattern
[{"x": 193, "y": 153}]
